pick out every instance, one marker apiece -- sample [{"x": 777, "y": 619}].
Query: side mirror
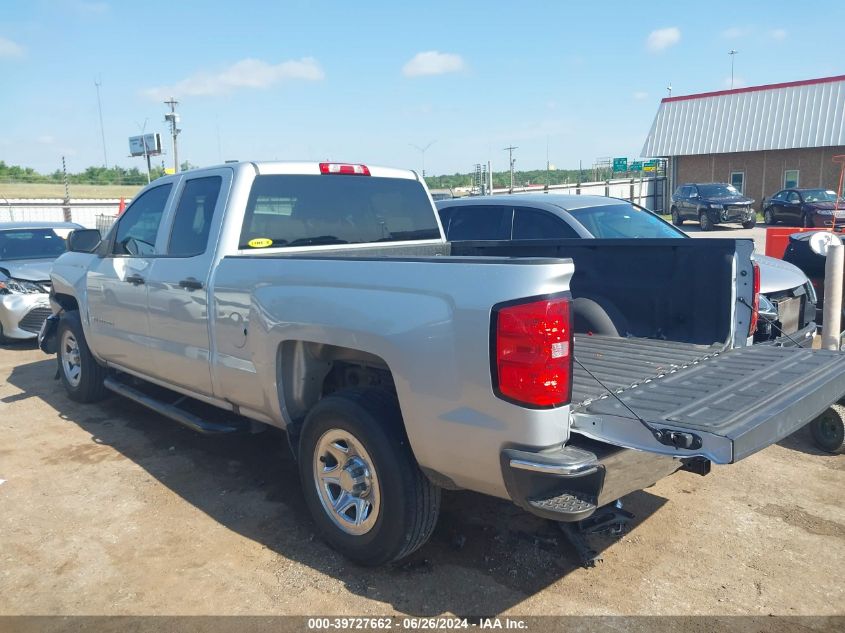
[{"x": 83, "y": 240}]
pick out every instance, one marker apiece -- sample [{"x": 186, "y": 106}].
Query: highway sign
[{"x": 620, "y": 164}]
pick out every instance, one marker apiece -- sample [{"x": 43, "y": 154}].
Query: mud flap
[
  {"x": 47, "y": 334},
  {"x": 724, "y": 408}
]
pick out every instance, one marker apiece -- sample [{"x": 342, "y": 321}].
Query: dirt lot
[{"x": 109, "y": 509}]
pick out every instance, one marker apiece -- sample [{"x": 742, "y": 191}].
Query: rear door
[
  {"x": 723, "y": 407},
  {"x": 536, "y": 224},
  {"x": 177, "y": 282}
]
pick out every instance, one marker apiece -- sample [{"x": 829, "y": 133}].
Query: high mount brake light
[
  {"x": 755, "y": 304},
  {"x": 344, "y": 168},
  {"x": 533, "y": 353}
]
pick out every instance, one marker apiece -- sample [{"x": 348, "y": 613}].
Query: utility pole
[
  {"x": 511, "y": 161},
  {"x": 422, "y": 151},
  {"x": 669, "y": 88},
  {"x": 66, "y": 208},
  {"x": 732, "y": 53},
  {"x": 97, "y": 84},
  {"x": 173, "y": 119}
]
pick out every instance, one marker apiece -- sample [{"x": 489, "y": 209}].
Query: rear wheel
[
  {"x": 769, "y": 217},
  {"x": 366, "y": 493},
  {"x": 82, "y": 376},
  {"x": 829, "y": 430},
  {"x": 677, "y": 220},
  {"x": 705, "y": 221}
]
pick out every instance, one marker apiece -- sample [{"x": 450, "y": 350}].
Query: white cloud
[
  {"x": 433, "y": 63},
  {"x": 735, "y": 32},
  {"x": 10, "y": 49},
  {"x": 778, "y": 34},
  {"x": 46, "y": 139},
  {"x": 640, "y": 95},
  {"x": 661, "y": 39},
  {"x": 247, "y": 73}
]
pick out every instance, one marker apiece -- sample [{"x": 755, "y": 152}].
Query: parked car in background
[
  {"x": 787, "y": 298},
  {"x": 441, "y": 194},
  {"x": 711, "y": 204},
  {"x": 27, "y": 251},
  {"x": 804, "y": 207}
]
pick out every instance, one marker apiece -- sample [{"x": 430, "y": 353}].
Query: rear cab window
[
  {"x": 305, "y": 210},
  {"x": 480, "y": 222}
]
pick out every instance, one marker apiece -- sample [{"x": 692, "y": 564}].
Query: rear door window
[
  {"x": 534, "y": 224},
  {"x": 192, "y": 222},
  {"x": 480, "y": 222},
  {"x": 302, "y": 210}
]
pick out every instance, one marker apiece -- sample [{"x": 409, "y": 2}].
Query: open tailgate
[{"x": 725, "y": 406}]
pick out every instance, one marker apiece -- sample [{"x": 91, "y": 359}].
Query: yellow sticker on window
[{"x": 260, "y": 242}]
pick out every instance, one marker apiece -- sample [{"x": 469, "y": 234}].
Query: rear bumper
[
  {"x": 21, "y": 316},
  {"x": 595, "y": 473}
]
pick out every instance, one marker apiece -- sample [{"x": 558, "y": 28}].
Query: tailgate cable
[
  {"x": 678, "y": 439},
  {"x": 772, "y": 323}
]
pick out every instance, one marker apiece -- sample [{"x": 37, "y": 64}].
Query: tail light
[
  {"x": 533, "y": 353},
  {"x": 755, "y": 302},
  {"x": 343, "y": 168}
]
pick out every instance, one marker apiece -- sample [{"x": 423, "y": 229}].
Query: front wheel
[
  {"x": 705, "y": 221},
  {"x": 82, "y": 376},
  {"x": 366, "y": 493},
  {"x": 750, "y": 224},
  {"x": 677, "y": 220}
]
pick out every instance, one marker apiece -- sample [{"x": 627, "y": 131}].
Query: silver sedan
[{"x": 27, "y": 251}]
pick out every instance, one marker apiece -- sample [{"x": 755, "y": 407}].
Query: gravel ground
[{"x": 110, "y": 509}]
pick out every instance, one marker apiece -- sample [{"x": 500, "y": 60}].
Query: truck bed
[{"x": 622, "y": 363}]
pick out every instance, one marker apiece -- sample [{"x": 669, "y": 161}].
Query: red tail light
[
  {"x": 343, "y": 168},
  {"x": 755, "y": 303},
  {"x": 533, "y": 353}
]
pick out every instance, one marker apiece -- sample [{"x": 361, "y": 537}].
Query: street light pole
[
  {"x": 732, "y": 53},
  {"x": 511, "y": 161},
  {"x": 422, "y": 151}
]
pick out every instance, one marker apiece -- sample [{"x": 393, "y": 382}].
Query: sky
[{"x": 375, "y": 82}]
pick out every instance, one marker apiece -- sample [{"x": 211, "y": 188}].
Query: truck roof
[
  {"x": 276, "y": 167},
  {"x": 564, "y": 201}
]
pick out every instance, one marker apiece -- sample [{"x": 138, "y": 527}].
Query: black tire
[
  {"x": 88, "y": 385},
  {"x": 705, "y": 221},
  {"x": 750, "y": 224},
  {"x": 769, "y": 217},
  {"x": 677, "y": 220},
  {"x": 829, "y": 430},
  {"x": 409, "y": 502}
]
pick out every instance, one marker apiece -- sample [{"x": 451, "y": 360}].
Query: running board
[{"x": 173, "y": 411}]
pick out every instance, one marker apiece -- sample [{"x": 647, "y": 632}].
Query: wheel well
[
  {"x": 67, "y": 302},
  {"x": 309, "y": 371}
]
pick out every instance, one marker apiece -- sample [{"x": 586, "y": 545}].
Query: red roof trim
[{"x": 788, "y": 84}]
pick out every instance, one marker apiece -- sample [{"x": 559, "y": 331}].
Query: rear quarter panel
[{"x": 428, "y": 319}]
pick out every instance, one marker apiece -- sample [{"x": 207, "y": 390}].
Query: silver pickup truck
[{"x": 323, "y": 299}]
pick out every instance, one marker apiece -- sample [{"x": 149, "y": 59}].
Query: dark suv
[{"x": 711, "y": 204}]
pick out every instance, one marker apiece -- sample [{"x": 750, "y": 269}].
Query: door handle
[
  {"x": 135, "y": 280},
  {"x": 191, "y": 284}
]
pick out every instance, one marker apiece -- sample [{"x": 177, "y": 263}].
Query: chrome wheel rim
[
  {"x": 346, "y": 481},
  {"x": 71, "y": 360}
]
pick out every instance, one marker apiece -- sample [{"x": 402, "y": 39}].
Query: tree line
[
  {"x": 90, "y": 176},
  {"x": 520, "y": 178}
]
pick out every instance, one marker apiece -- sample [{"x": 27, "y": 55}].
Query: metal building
[{"x": 761, "y": 138}]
